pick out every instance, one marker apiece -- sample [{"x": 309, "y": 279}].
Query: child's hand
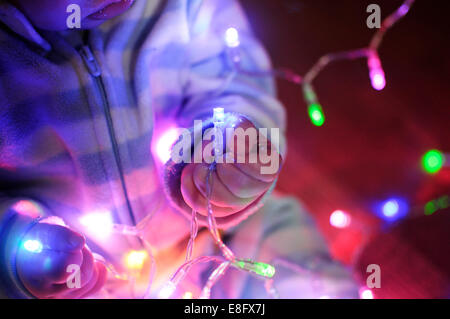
[
  {"x": 235, "y": 185},
  {"x": 44, "y": 272}
]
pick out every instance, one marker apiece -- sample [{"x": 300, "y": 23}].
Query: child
[{"x": 79, "y": 110}]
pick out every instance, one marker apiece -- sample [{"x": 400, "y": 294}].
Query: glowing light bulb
[
  {"x": 33, "y": 246},
  {"x": 434, "y": 205},
  {"x": 316, "y": 114},
  {"x": 261, "y": 269},
  {"x": 167, "y": 290},
  {"x": 390, "y": 208},
  {"x": 232, "y": 38},
  {"x": 404, "y": 8},
  {"x": 98, "y": 224},
  {"x": 430, "y": 208},
  {"x": 218, "y": 115},
  {"x": 29, "y": 208},
  {"x": 443, "y": 202},
  {"x": 433, "y": 161},
  {"x": 378, "y": 79},
  {"x": 393, "y": 209},
  {"x": 340, "y": 219},
  {"x": 265, "y": 270},
  {"x": 188, "y": 295},
  {"x": 376, "y": 72},
  {"x": 164, "y": 144},
  {"x": 365, "y": 293},
  {"x": 315, "y": 111},
  {"x": 135, "y": 259}
]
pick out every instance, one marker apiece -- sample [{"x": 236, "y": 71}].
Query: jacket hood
[{"x": 15, "y": 20}]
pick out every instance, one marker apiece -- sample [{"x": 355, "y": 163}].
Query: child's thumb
[{"x": 55, "y": 237}]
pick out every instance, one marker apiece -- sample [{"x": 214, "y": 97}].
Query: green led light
[
  {"x": 264, "y": 270},
  {"x": 430, "y": 208},
  {"x": 443, "y": 202},
  {"x": 261, "y": 269},
  {"x": 240, "y": 264},
  {"x": 433, "y": 161},
  {"x": 434, "y": 205},
  {"x": 316, "y": 114}
]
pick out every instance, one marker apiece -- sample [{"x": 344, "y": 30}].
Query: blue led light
[
  {"x": 393, "y": 209},
  {"x": 33, "y": 246}
]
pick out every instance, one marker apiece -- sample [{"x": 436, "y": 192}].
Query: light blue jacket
[{"x": 79, "y": 117}]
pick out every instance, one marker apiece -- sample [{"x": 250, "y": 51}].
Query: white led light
[
  {"x": 167, "y": 290},
  {"x": 98, "y": 224},
  {"x": 232, "y": 38},
  {"x": 219, "y": 115},
  {"x": 340, "y": 219}
]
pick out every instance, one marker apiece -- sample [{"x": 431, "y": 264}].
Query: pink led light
[
  {"x": 404, "y": 8},
  {"x": 376, "y": 72},
  {"x": 378, "y": 80},
  {"x": 366, "y": 293},
  {"x": 340, "y": 219},
  {"x": 164, "y": 144},
  {"x": 28, "y": 208}
]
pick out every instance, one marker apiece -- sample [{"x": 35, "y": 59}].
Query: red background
[{"x": 372, "y": 142}]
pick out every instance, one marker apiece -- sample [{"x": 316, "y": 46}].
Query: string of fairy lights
[
  {"x": 228, "y": 258},
  {"x": 135, "y": 260},
  {"x": 315, "y": 110}
]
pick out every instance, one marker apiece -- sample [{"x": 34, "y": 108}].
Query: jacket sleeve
[
  {"x": 213, "y": 81},
  {"x": 284, "y": 235}
]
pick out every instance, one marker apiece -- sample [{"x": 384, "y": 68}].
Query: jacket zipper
[{"x": 94, "y": 69}]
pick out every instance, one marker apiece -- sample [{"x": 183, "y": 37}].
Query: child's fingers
[
  {"x": 86, "y": 268},
  {"x": 194, "y": 198},
  {"x": 89, "y": 277},
  {"x": 75, "y": 293},
  {"x": 42, "y": 272},
  {"x": 56, "y": 286},
  {"x": 51, "y": 291},
  {"x": 254, "y": 170},
  {"x": 220, "y": 195},
  {"x": 261, "y": 159},
  {"x": 60, "y": 247},
  {"x": 56, "y": 263},
  {"x": 47, "y": 266},
  {"x": 235, "y": 185},
  {"x": 102, "y": 274},
  {"x": 239, "y": 183},
  {"x": 55, "y": 237}
]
